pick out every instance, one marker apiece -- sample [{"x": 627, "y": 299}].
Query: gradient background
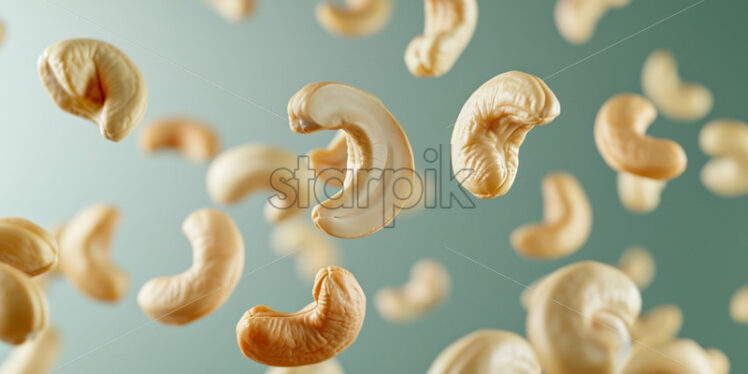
[{"x": 53, "y": 164}]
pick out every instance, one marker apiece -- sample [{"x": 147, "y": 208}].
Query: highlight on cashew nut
[
  {"x": 379, "y": 172},
  {"x": 95, "y": 80},
  {"x": 621, "y": 139},
  {"x": 330, "y": 162},
  {"x": 739, "y": 306},
  {"x": 487, "y": 351},
  {"x": 357, "y": 18},
  {"x": 449, "y": 27},
  {"x": 676, "y": 357},
  {"x": 331, "y": 366},
  {"x": 639, "y": 194},
  {"x": 580, "y": 318},
  {"x": 491, "y": 127},
  {"x": 674, "y": 98},
  {"x": 26, "y": 246},
  {"x": 316, "y": 333},
  {"x": 639, "y": 265},
  {"x": 23, "y": 306},
  {"x": 577, "y": 20},
  {"x": 233, "y": 10},
  {"x": 313, "y": 249},
  {"x": 718, "y": 361},
  {"x": 85, "y": 253},
  {"x": 567, "y": 223},
  {"x": 35, "y": 356},
  {"x": 217, "y": 263},
  {"x": 727, "y": 141},
  {"x": 658, "y": 326},
  {"x": 427, "y": 288},
  {"x": 194, "y": 140}
]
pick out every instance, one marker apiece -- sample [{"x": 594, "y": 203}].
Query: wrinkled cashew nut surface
[
  {"x": 316, "y": 333},
  {"x": 567, "y": 223},
  {"x": 658, "y": 326},
  {"x": 331, "y": 366},
  {"x": 196, "y": 141},
  {"x": 233, "y": 10},
  {"x": 487, "y": 351},
  {"x": 427, "y": 288},
  {"x": 35, "y": 356},
  {"x": 95, "y": 80},
  {"x": 727, "y": 141},
  {"x": 576, "y": 20},
  {"x": 218, "y": 260},
  {"x": 330, "y": 162},
  {"x": 26, "y": 246},
  {"x": 739, "y": 306},
  {"x": 639, "y": 265},
  {"x": 23, "y": 306},
  {"x": 312, "y": 248},
  {"x": 357, "y": 18},
  {"x": 676, "y": 357},
  {"x": 719, "y": 362},
  {"x": 673, "y": 97},
  {"x": 639, "y": 194}
]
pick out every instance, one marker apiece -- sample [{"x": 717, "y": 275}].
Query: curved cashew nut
[
  {"x": 620, "y": 136},
  {"x": 579, "y": 319},
  {"x": 487, "y": 351},
  {"x": 330, "y": 162},
  {"x": 233, "y": 10},
  {"x": 95, "y": 80},
  {"x": 658, "y": 326},
  {"x": 718, "y": 360},
  {"x": 576, "y": 20},
  {"x": 639, "y": 194},
  {"x": 331, "y": 366},
  {"x": 314, "y": 334},
  {"x": 675, "y": 98},
  {"x": 357, "y": 18},
  {"x": 218, "y": 260},
  {"x": 639, "y": 265},
  {"x": 26, "y": 246},
  {"x": 194, "y": 140},
  {"x": 449, "y": 26},
  {"x": 379, "y": 156},
  {"x": 739, "y": 306},
  {"x": 84, "y": 253},
  {"x": 568, "y": 220},
  {"x": 676, "y": 357},
  {"x": 428, "y": 287},
  {"x": 23, "y": 307},
  {"x": 35, "y": 356},
  {"x": 491, "y": 127},
  {"x": 726, "y": 140},
  {"x": 313, "y": 249}
]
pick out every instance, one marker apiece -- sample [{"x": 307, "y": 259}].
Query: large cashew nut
[
  {"x": 739, "y": 306},
  {"x": 639, "y": 194},
  {"x": 491, "y": 127},
  {"x": 676, "y": 357},
  {"x": 233, "y": 10},
  {"x": 726, "y": 140},
  {"x": 314, "y": 334},
  {"x": 218, "y": 260},
  {"x": 658, "y": 326},
  {"x": 639, "y": 265},
  {"x": 23, "y": 307},
  {"x": 379, "y": 156},
  {"x": 580, "y": 317},
  {"x": 428, "y": 287},
  {"x": 718, "y": 360},
  {"x": 449, "y": 26},
  {"x": 621, "y": 139},
  {"x": 196, "y": 141},
  {"x": 576, "y": 20},
  {"x": 313, "y": 249},
  {"x": 331, "y": 366},
  {"x": 95, "y": 80},
  {"x": 357, "y": 18},
  {"x": 568, "y": 220},
  {"x": 35, "y": 356},
  {"x": 26, "y": 246},
  {"x": 330, "y": 162}
]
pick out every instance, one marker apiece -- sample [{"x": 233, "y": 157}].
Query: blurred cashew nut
[
  {"x": 718, "y": 360},
  {"x": 739, "y": 306},
  {"x": 639, "y": 265},
  {"x": 675, "y": 98},
  {"x": 196, "y": 141},
  {"x": 313, "y": 249},
  {"x": 330, "y": 162},
  {"x": 331, "y": 366},
  {"x": 639, "y": 194},
  {"x": 357, "y": 18},
  {"x": 487, "y": 351},
  {"x": 23, "y": 306},
  {"x": 576, "y": 20},
  {"x": 26, "y": 246},
  {"x": 35, "y": 356},
  {"x": 727, "y": 141},
  {"x": 676, "y": 357},
  {"x": 427, "y": 288},
  {"x": 233, "y": 10},
  {"x": 658, "y": 326}
]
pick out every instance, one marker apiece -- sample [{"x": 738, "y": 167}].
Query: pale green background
[{"x": 52, "y": 164}]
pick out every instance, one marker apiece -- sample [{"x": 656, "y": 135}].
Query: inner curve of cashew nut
[
  {"x": 639, "y": 194},
  {"x": 577, "y": 20},
  {"x": 358, "y": 18},
  {"x": 726, "y": 174},
  {"x": 312, "y": 248},
  {"x": 676, "y": 99},
  {"x": 658, "y": 326},
  {"x": 26, "y": 246},
  {"x": 428, "y": 286},
  {"x": 35, "y": 356},
  {"x": 676, "y": 357},
  {"x": 330, "y": 162},
  {"x": 233, "y": 10},
  {"x": 23, "y": 306},
  {"x": 194, "y": 140}
]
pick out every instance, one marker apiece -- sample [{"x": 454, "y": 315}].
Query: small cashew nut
[
  {"x": 487, "y": 351},
  {"x": 2, "y": 32},
  {"x": 676, "y": 357},
  {"x": 576, "y": 20},
  {"x": 26, "y": 246},
  {"x": 331, "y": 366},
  {"x": 218, "y": 260},
  {"x": 35, "y": 356},
  {"x": 658, "y": 326},
  {"x": 621, "y": 139},
  {"x": 196, "y": 141},
  {"x": 639, "y": 265},
  {"x": 330, "y": 162},
  {"x": 379, "y": 157},
  {"x": 718, "y": 360},
  {"x": 675, "y": 98},
  {"x": 23, "y": 307},
  {"x": 579, "y": 319},
  {"x": 567, "y": 225},
  {"x": 318, "y": 332},
  {"x": 727, "y": 141},
  {"x": 233, "y": 10},
  {"x": 739, "y": 306},
  {"x": 358, "y": 18},
  {"x": 313, "y": 249},
  {"x": 95, "y": 80},
  {"x": 639, "y": 194},
  {"x": 449, "y": 27},
  {"x": 428, "y": 287},
  {"x": 84, "y": 253},
  {"x": 491, "y": 127}
]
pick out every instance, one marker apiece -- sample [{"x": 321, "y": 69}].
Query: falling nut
[
  {"x": 639, "y": 265},
  {"x": 577, "y": 20},
  {"x": 357, "y": 18},
  {"x": 196, "y": 141},
  {"x": 26, "y": 246},
  {"x": 491, "y": 127},
  {"x": 676, "y": 357},
  {"x": 658, "y": 326},
  {"x": 639, "y": 194},
  {"x": 727, "y": 141},
  {"x": 35, "y": 356},
  {"x": 95, "y": 80},
  {"x": 233, "y": 10},
  {"x": 426, "y": 289},
  {"x": 23, "y": 307},
  {"x": 218, "y": 260},
  {"x": 314, "y": 334},
  {"x": 2, "y": 32},
  {"x": 487, "y": 351},
  {"x": 621, "y": 139},
  {"x": 379, "y": 157},
  {"x": 313, "y": 249},
  {"x": 567, "y": 225},
  {"x": 330, "y": 162},
  {"x": 448, "y": 29},
  {"x": 718, "y": 361},
  {"x": 739, "y": 306},
  {"x": 331, "y": 366}
]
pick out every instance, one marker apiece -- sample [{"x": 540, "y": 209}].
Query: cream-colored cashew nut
[
  {"x": 658, "y": 326},
  {"x": 449, "y": 27},
  {"x": 330, "y": 162},
  {"x": 676, "y": 357},
  {"x": 639, "y": 194},
  {"x": 621, "y": 139},
  {"x": 491, "y": 127},
  {"x": 718, "y": 360},
  {"x": 739, "y": 306},
  {"x": 195, "y": 140},
  {"x": 380, "y": 160},
  {"x": 23, "y": 306},
  {"x": 357, "y": 18},
  {"x": 567, "y": 224},
  {"x": 580, "y": 318},
  {"x": 26, "y": 246},
  {"x": 2, "y": 32},
  {"x": 727, "y": 141},
  {"x": 331, "y": 366},
  {"x": 427, "y": 288},
  {"x": 487, "y": 351},
  {"x": 217, "y": 263},
  {"x": 639, "y": 265},
  {"x": 95, "y": 80},
  {"x": 233, "y": 10},
  {"x": 35, "y": 356},
  {"x": 576, "y": 20},
  {"x": 674, "y": 98},
  {"x": 84, "y": 253},
  {"x": 316, "y": 333},
  {"x": 313, "y": 249}
]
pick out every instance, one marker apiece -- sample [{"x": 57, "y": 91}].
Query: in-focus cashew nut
[
  {"x": 35, "y": 356},
  {"x": 576, "y": 20},
  {"x": 639, "y": 265},
  {"x": 357, "y": 18},
  {"x": 194, "y": 140},
  {"x": 331, "y": 366},
  {"x": 676, "y": 357},
  {"x": 673, "y": 97},
  {"x": 312, "y": 248},
  {"x": 658, "y": 326},
  {"x": 719, "y": 362},
  {"x": 487, "y": 351},
  {"x": 26, "y": 246},
  {"x": 639, "y": 194},
  {"x": 426, "y": 289},
  {"x": 23, "y": 307},
  {"x": 727, "y": 141},
  {"x": 233, "y": 10},
  {"x": 330, "y": 162},
  {"x": 739, "y": 306}
]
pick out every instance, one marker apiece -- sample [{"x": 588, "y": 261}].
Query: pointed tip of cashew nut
[
  {"x": 639, "y": 265},
  {"x": 95, "y": 80},
  {"x": 718, "y": 360},
  {"x": 726, "y": 174},
  {"x": 657, "y": 326},
  {"x": 314, "y": 334},
  {"x": 427, "y": 288},
  {"x": 331, "y": 366},
  {"x": 676, "y": 99},
  {"x": 576, "y": 20},
  {"x": 35, "y": 356},
  {"x": 358, "y": 18},
  {"x": 639, "y": 194},
  {"x": 193, "y": 139},
  {"x": 312, "y": 248},
  {"x": 23, "y": 306},
  {"x": 491, "y": 127},
  {"x": 26, "y": 246},
  {"x": 233, "y": 10},
  {"x": 674, "y": 357},
  {"x": 739, "y": 306}
]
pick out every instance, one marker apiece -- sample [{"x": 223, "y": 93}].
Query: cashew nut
[
  {"x": 23, "y": 307},
  {"x": 676, "y": 357},
  {"x": 84, "y": 253},
  {"x": 2, "y": 32},
  {"x": 639, "y": 265},
  {"x": 576, "y": 20},
  {"x": 194, "y": 140},
  {"x": 233, "y": 10},
  {"x": 331, "y": 366},
  {"x": 448, "y": 28},
  {"x": 487, "y": 351},
  {"x": 567, "y": 225},
  {"x": 35, "y": 356},
  {"x": 217, "y": 263},
  {"x": 718, "y": 360},
  {"x": 674, "y": 98},
  {"x": 379, "y": 157},
  {"x": 330, "y": 162},
  {"x": 726, "y": 140},
  {"x": 26, "y": 246},
  {"x": 316, "y": 333},
  {"x": 426, "y": 289},
  {"x": 620, "y": 136},
  {"x": 357, "y": 18},
  {"x": 580, "y": 317},
  {"x": 658, "y": 326},
  {"x": 313, "y": 249},
  {"x": 639, "y": 194},
  {"x": 95, "y": 80},
  {"x": 527, "y": 297},
  {"x": 739, "y": 306},
  {"x": 491, "y": 127}
]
